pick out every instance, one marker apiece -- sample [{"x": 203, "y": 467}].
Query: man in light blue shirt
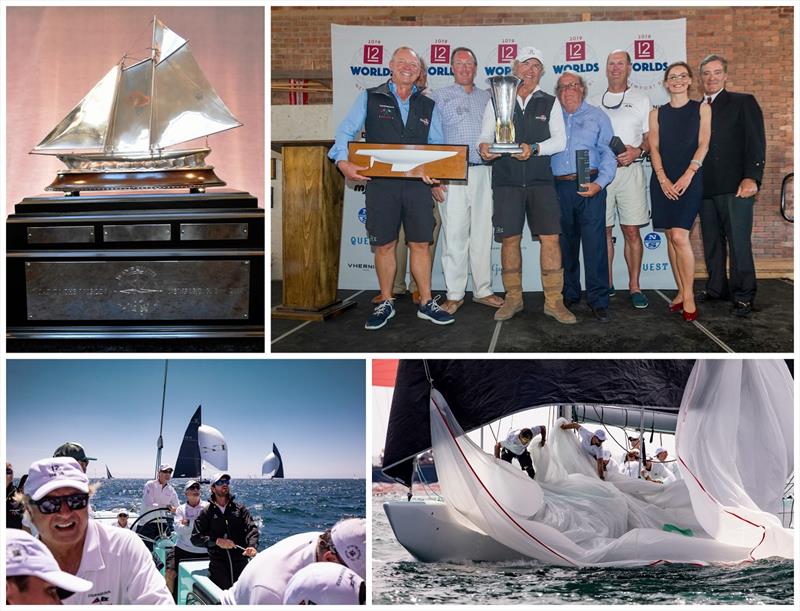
[
  {"x": 583, "y": 212},
  {"x": 396, "y": 112}
]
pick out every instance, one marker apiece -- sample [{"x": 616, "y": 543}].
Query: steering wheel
[{"x": 162, "y": 517}]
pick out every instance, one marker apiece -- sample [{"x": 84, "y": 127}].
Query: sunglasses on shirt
[{"x": 52, "y": 504}]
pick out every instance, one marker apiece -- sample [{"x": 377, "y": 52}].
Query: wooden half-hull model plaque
[
  {"x": 440, "y": 161},
  {"x": 149, "y": 264}
]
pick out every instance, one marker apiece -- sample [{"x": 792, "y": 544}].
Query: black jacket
[
  {"x": 14, "y": 509},
  {"x": 384, "y": 124},
  {"x": 738, "y": 146},
  {"x": 235, "y": 524}
]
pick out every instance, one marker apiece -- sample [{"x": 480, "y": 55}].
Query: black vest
[
  {"x": 531, "y": 125},
  {"x": 384, "y": 124}
]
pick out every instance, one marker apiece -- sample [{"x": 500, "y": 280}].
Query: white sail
[
  {"x": 165, "y": 41},
  {"x": 213, "y": 448},
  {"x": 270, "y": 465},
  {"x": 85, "y": 126},
  {"x": 186, "y": 105},
  {"x": 130, "y": 129}
]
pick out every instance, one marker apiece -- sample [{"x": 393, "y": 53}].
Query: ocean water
[
  {"x": 281, "y": 507},
  {"x": 399, "y": 579}
]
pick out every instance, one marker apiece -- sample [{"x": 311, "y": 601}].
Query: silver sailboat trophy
[{"x": 119, "y": 136}]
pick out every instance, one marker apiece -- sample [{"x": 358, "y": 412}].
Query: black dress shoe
[
  {"x": 600, "y": 314},
  {"x": 705, "y": 296},
  {"x": 742, "y": 309}
]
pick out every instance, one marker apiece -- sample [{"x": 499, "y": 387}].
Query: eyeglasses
[
  {"x": 222, "y": 482},
  {"x": 678, "y": 77},
  {"x": 574, "y": 85},
  {"x": 193, "y": 489},
  {"x": 52, "y": 504}
]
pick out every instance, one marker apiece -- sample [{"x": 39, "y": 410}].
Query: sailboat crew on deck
[
  {"x": 185, "y": 516},
  {"x": 158, "y": 494},
  {"x": 114, "y": 559},
  {"x": 222, "y": 527}
]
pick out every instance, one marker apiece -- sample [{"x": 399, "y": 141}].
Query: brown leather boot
[
  {"x": 512, "y": 281},
  {"x": 553, "y": 284}
]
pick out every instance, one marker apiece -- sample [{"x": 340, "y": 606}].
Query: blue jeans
[{"x": 583, "y": 224}]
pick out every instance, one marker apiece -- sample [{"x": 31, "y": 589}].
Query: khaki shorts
[{"x": 626, "y": 197}]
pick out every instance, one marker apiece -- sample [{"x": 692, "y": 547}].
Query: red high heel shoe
[
  {"x": 690, "y": 316},
  {"x": 676, "y": 307}
]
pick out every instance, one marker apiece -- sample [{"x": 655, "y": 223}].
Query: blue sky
[{"x": 313, "y": 410}]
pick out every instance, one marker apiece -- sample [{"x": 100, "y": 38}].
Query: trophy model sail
[{"x": 118, "y": 136}]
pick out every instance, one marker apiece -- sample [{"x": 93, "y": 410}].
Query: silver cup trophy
[{"x": 504, "y": 95}]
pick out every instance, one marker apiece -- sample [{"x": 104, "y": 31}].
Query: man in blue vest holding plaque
[{"x": 396, "y": 112}]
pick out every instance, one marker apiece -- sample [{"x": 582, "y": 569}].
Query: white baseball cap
[
  {"x": 323, "y": 583},
  {"x": 27, "y": 556},
  {"x": 526, "y": 53},
  {"x": 48, "y": 474},
  {"x": 165, "y": 467},
  {"x": 190, "y": 483},
  {"x": 659, "y": 450},
  {"x": 600, "y": 434},
  {"x": 218, "y": 476},
  {"x": 349, "y": 537}
]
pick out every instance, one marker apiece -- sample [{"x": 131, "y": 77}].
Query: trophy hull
[
  {"x": 499, "y": 148},
  {"x": 194, "y": 179}
]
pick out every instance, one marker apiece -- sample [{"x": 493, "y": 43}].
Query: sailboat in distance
[
  {"x": 272, "y": 466},
  {"x": 108, "y": 473},
  {"x": 202, "y": 444},
  {"x": 119, "y": 134}
]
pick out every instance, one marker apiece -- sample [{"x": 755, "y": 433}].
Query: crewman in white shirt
[
  {"x": 666, "y": 471},
  {"x": 325, "y": 583},
  {"x": 515, "y": 445},
  {"x": 158, "y": 494},
  {"x": 592, "y": 444},
  {"x": 114, "y": 559},
  {"x": 265, "y": 579},
  {"x": 185, "y": 515}
]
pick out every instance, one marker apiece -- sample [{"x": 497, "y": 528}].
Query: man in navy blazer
[{"x": 733, "y": 171}]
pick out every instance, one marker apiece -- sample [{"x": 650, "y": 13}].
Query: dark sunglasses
[
  {"x": 222, "y": 482},
  {"x": 193, "y": 489},
  {"x": 52, "y": 504},
  {"x": 9, "y": 471}
]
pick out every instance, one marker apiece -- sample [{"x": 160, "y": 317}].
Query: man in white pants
[
  {"x": 466, "y": 207},
  {"x": 625, "y": 195}
]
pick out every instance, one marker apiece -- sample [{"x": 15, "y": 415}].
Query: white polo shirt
[
  {"x": 190, "y": 513},
  {"x": 631, "y": 119},
  {"x": 586, "y": 443},
  {"x": 265, "y": 578},
  {"x": 155, "y": 496},
  {"x": 514, "y": 445},
  {"x": 630, "y": 468},
  {"x": 661, "y": 471},
  {"x": 121, "y": 568}
]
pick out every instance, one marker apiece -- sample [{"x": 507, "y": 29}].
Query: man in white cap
[
  {"x": 185, "y": 515},
  {"x": 630, "y": 464},
  {"x": 158, "y": 494},
  {"x": 592, "y": 444},
  {"x": 32, "y": 574},
  {"x": 663, "y": 470},
  {"x": 114, "y": 559},
  {"x": 265, "y": 579},
  {"x": 325, "y": 583},
  {"x": 522, "y": 186}
]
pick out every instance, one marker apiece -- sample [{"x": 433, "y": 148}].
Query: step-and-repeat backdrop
[{"x": 361, "y": 60}]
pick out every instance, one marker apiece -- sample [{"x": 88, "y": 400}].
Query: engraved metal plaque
[
  {"x": 137, "y": 290},
  {"x": 136, "y": 233},
  {"x": 75, "y": 234},
  {"x": 213, "y": 231}
]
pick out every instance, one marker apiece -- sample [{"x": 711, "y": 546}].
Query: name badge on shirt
[
  {"x": 385, "y": 111},
  {"x": 541, "y": 117},
  {"x": 425, "y": 121}
]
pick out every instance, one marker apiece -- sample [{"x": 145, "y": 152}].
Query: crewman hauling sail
[{"x": 515, "y": 445}]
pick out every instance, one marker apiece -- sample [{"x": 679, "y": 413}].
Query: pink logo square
[
  {"x": 576, "y": 51},
  {"x": 506, "y": 52},
  {"x": 644, "y": 49},
  {"x": 373, "y": 54},
  {"x": 440, "y": 54}
]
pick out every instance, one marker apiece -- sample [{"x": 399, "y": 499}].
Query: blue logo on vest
[
  {"x": 362, "y": 215},
  {"x": 652, "y": 241}
]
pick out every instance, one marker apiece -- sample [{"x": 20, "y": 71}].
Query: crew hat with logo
[
  {"x": 190, "y": 483},
  {"x": 600, "y": 434},
  {"x": 73, "y": 450},
  {"x": 323, "y": 583},
  {"x": 526, "y": 53},
  {"x": 349, "y": 537},
  {"x": 27, "y": 556},
  {"x": 48, "y": 474},
  {"x": 165, "y": 467}
]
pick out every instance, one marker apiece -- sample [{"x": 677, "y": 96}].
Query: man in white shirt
[
  {"x": 265, "y": 579},
  {"x": 158, "y": 494},
  {"x": 626, "y": 195},
  {"x": 325, "y": 583},
  {"x": 185, "y": 515},
  {"x": 592, "y": 444},
  {"x": 515, "y": 445},
  {"x": 669, "y": 469},
  {"x": 115, "y": 560},
  {"x": 630, "y": 464},
  {"x": 32, "y": 574}
]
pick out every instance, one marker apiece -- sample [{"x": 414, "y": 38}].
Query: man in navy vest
[
  {"x": 396, "y": 112},
  {"x": 522, "y": 185}
]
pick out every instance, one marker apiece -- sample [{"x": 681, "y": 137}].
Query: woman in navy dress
[{"x": 679, "y": 136}]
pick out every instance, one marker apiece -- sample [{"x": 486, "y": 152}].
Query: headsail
[
  {"x": 108, "y": 473},
  {"x": 188, "y": 462},
  {"x": 213, "y": 448},
  {"x": 165, "y": 41},
  {"x": 85, "y": 126},
  {"x": 272, "y": 467}
]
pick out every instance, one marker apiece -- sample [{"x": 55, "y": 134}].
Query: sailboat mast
[
  {"x": 154, "y": 59},
  {"x": 160, "y": 442}
]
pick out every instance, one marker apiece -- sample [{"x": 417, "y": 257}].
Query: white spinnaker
[
  {"x": 580, "y": 519},
  {"x": 213, "y": 448},
  {"x": 734, "y": 443},
  {"x": 270, "y": 465}
]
